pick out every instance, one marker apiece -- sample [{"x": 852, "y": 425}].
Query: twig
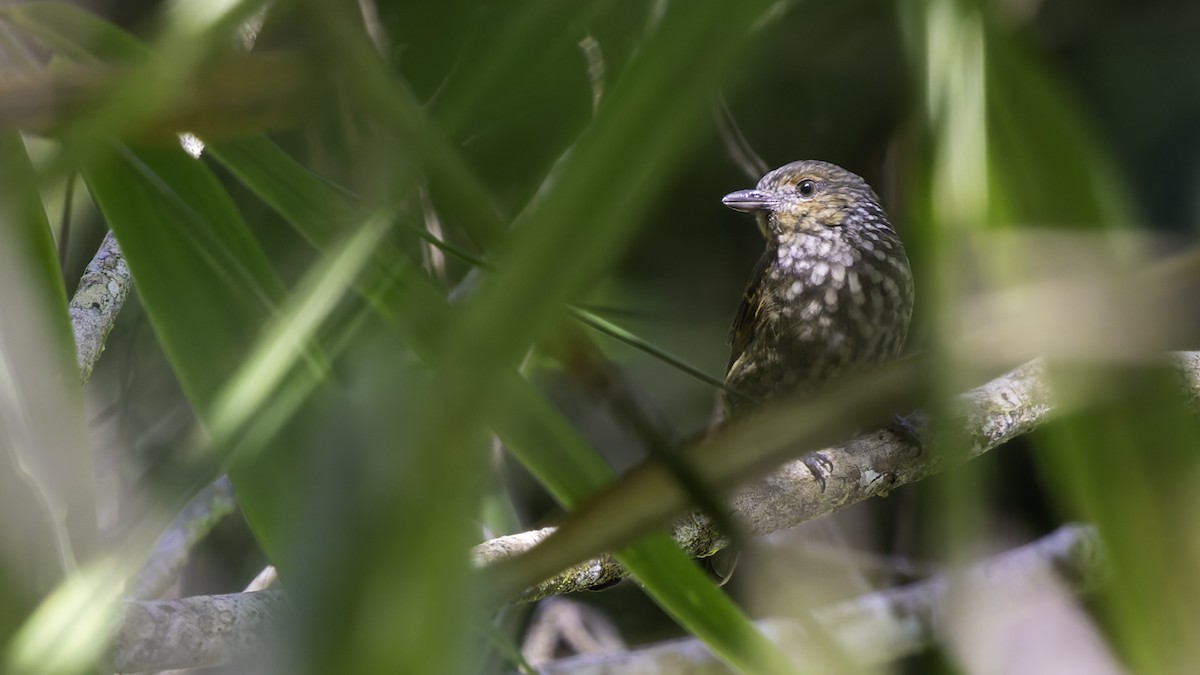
[
  {"x": 263, "y": 580},
  {"x": 171, "y": 550}
]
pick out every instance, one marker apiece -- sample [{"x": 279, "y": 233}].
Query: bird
[{"x": 831, "y": 294}]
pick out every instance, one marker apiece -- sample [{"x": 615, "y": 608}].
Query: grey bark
[
  {"x": 867, "y": 466},
  {"x": 97, "y": 302}
]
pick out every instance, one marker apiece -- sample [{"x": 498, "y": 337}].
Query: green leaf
[
  {"x": 534, "y": 432},
  {"x": 206, "y": 285},
  {"x": 317, "y": 209},
  {"x": 1043, "y": 139},
  {"x": 572, "y": 471},
  {"x": 74, "y": 33},
  {"x": 46, "y": 474},
  {"x": 573, "y": 230}
]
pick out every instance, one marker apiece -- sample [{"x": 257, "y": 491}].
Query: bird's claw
[
  {"x": 722, "y": 564},
  {"x": 605, "y": 585},
  {"x": 819, "y": 466},
  {"x": 909, "y": 428}
]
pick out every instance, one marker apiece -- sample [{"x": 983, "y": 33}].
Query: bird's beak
[{"x": 750, "y": 201}]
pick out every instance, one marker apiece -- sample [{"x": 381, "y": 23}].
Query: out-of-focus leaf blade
[
  {"x": 1127, "y": 464},
  {"x": 549, "y": 447},
  {"x": 537, "y": 435},
  {"x": 73, "y": 32},
  {"x": 70, "y": 631},
  {"x": 206, "y": 285},
  {"x": 46, "y": 475},
  {"x": 316, "y": 208},
  {"x": 579, "y": 223},
  {"x": 1048, "y": 165}
]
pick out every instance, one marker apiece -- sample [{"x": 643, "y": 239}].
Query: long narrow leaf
[
  {"x": 46, "y": 473},
  {"x": 206, "y": 285}
]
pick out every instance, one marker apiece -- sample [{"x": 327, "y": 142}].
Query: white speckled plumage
[{"x": 832, "y": 292}]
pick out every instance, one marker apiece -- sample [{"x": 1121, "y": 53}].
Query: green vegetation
[{"x": 447, "y": 271}]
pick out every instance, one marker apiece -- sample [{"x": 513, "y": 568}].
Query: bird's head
[{"x": 811, "y": 197}]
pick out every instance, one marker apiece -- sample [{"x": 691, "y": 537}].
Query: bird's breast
[
  {"x": 852, "y": 303},
  {"x": 826, "y": 306}
]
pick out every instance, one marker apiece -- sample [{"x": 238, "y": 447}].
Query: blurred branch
[
  {"x": 168, "y": 634},
  {"x": 577, "y": 626},
  {"x": 869, "y": 465},
  {"x": 206, "y": 631},
  {"x": 1187, "y": 364},
  {"x": 97, "y": 301},
  {"x": 878, "y": 627},
  {"x": 94, "y": 308},
  {"x": 171, "y": 550},
  {"x": 195, "y": 632}
]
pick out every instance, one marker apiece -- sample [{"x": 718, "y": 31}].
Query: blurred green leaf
[
  {"x": 206, "y": 285},
  {"x": 70, "y": 631},
  {"x": 75, "y": 33},
  {"x": 366, "y": 486},
  {"x": 317, "y": 209},
  {"x": 574, "y": 228},
  {"x": 549, "y": 447},
  {"x": 1125, "y": 463},
  {"x": 46, "y": 473},
  {"x": 595, "y": 322},
  {"x": 1049, "y": 165},
  {"x": 536, "y": 434}
]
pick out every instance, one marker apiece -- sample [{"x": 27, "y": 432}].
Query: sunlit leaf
[{"x": 45, "y": 463}]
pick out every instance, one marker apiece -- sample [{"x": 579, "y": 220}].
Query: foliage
[{"x": 402, "y": 216}]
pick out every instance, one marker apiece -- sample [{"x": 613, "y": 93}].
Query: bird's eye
[{"x": 806, "y": 188}]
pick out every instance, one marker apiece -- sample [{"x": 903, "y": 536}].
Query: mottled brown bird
[{"x": 832, "y": 293}]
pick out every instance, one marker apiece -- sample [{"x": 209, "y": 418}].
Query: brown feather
[{"x": 742, "y": 330}]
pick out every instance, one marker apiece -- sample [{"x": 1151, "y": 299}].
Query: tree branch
[
  {"x": 878, "y": 627},
  {"x": 867, "y": 466},
  {"x": 206, "y": 631},
  {"x": 97, "y": 301},
  {"x": 194, "y": 632},
  {"x": 171, "y": 549},
  {"x": 871, "y": 464},
  {"x": 94, "y": 308}
]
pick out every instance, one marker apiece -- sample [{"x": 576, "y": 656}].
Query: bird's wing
[{"x": 742, "y": 330}]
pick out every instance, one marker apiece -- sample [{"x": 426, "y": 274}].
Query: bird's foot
[
  {"x": 819, "y": 466},
  {"x": 605, "y": 585},
  {"x": 722, "y": 564},
  {"x": 910, "y": 428}
]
